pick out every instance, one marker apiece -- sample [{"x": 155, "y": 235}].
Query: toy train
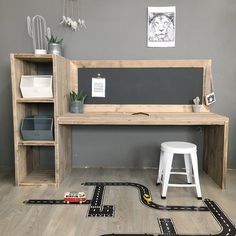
[{"x": 75, "y": 197}]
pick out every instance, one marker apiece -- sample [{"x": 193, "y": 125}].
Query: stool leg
[
  {"x": 196, "y": 175},
  {"x": 161, "y": 167},
  {"x": 188, "y": 167},
  {"x": 168, "y": 163}
]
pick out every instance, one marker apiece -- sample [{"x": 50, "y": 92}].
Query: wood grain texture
[
  {"x": 205, "y": 64},
  {"x": 27, "y": 153},
  {"x": 171, "y": 118},
  {"x": 215, "y": 138},
  {"x": 61, "y": 71},
  {"x": 215, "y": 153},
  {"x": 33, "y": 57},
  {"x": 140, "y": 108},
  {"x": 36, "y": 143},
  {"x": 35, "y": 100}
]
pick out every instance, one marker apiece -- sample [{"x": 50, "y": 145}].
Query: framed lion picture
[{"x": 161, "y": 27}]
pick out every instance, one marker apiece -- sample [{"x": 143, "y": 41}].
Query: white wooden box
[{"x": 36, "y": 86}]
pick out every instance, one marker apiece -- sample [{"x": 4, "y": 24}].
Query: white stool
[{"x": 168, "y": 149}]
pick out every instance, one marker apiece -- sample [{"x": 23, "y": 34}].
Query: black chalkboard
[{"x": 144, "y": 85}]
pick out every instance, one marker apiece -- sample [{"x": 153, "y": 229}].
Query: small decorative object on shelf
[
  {"x": 74, "y": 197},
  {"x": 70, "y": 16},
  {"x": 196, "y": 105},
  {"x": 54, "y": 45},
  {"x": 38, "y": 30},
  {"x": 77, "y": 101},
  {"x": 36, "y": 86}
]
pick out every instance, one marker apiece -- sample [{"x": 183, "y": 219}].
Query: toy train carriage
[{"x": 75, "y": 197}]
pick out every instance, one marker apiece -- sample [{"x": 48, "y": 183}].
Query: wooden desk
[
  {"x": 215, "y": 132},
  {"x": 28, "y": 168}
]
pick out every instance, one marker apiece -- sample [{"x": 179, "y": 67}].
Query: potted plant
[
  {"x": 77, "y": 101},
  {"x": 54, "y": 45}
]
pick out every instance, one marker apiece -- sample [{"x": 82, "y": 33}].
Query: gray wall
[{"x": 116, "y": 29}]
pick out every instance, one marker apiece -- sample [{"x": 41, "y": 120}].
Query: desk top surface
[{"x": 162, "y": 118}]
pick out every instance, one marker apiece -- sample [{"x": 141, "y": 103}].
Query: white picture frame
[{"x": 161, "y": 26}]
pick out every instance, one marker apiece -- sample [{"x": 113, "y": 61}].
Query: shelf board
[
  {"x": 35, "y": 100},
  {"x": 34, "y": 58},
  {"x": 40, "y": 177},
  {"x": 36, "y": 142}
]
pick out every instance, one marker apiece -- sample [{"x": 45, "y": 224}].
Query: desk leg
[
  {"x": 63, "y": 153},
  {"x": 215, "y": 153}
]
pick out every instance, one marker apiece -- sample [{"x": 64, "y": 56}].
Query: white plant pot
[
  {"x": 40, "y": 51},
  {"x": 196, "y": 108}
]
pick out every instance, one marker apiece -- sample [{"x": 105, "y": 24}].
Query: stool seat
[
  {"x": 178, "y": 147},
  {"x": 168, "y": 151}
]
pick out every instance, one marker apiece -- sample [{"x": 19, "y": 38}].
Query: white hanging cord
[
  {"x": 73, "y": 22},
  {"x": 66, "y": 8},
  {"x": 212, "y": 86},
  {"x": 70, "y": 17},
  {"x": 64, "y": 13},
  {"x": 70, "y": 8},
  {"x": 77, "y": 10},
  {"x": 210, "y": 98},
  {"x": 80, "y": 21}
]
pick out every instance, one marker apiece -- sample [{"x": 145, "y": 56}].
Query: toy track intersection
[{"x": 97, "y": 209}]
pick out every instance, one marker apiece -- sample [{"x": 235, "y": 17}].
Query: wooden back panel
[{"x": 206, "y": 87}]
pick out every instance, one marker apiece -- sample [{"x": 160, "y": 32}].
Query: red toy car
[{"x": 74, "y": 197}]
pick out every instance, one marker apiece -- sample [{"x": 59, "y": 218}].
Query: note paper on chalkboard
[{"x": 98, "y": 87}]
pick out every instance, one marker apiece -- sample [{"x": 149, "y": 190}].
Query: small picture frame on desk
[{"x": 210, "y": 98}]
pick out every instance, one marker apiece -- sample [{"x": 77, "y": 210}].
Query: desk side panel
[
  {"x": 215, "y": 153},
  {"x": 61, "y": 70}
]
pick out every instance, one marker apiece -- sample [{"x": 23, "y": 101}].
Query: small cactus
[{"x": 38, "y": 30}]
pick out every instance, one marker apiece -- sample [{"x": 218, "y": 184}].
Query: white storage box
[{"x": 36, "y": 86}]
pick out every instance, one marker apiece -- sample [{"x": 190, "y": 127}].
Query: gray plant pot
[
  {"x": 55, "y": 48},
  {"x": 77, "y": 106}
]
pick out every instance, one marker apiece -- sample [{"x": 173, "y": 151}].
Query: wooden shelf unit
[{"x": 29, "y": 167}]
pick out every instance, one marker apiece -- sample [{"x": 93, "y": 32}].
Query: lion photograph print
[{"x": 161, "y": 27}]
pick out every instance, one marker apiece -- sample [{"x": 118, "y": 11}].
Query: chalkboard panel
[{"x": 144, "y": 85}]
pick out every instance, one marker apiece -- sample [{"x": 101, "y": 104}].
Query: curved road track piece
[
  {"x": 227, "y": 227},
  {"x": 144, "y": 190}
]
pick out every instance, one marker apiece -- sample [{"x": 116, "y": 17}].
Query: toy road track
[
  {"x": 97, "y": 209},
  {"x": 167, "y": 226},
  {"x": 144, "y": 190},
  {"x": 54, "y": 202}
]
